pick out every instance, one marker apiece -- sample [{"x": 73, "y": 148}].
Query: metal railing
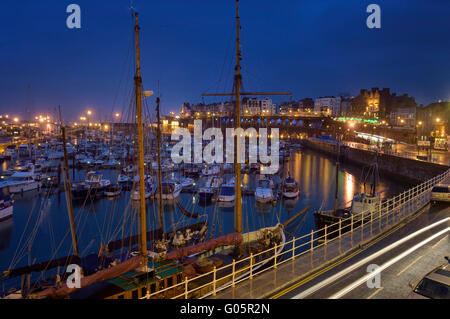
[{"x": 365, "y": 224}]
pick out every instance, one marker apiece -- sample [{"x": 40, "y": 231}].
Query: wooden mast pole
[
  {"x": 138, "y": 85},
  {"x": 69, "y": 194},
  {"x": 159, "y": 174},
  {"x": 237, "y": 164}
]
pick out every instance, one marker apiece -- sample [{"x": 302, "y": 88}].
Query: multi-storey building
[
  {"x": 379, "y": 103},
  {"x": 328, "y": 105},
  {"x": 404, "y": 116}
]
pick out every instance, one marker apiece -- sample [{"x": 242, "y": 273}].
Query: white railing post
[
  {"x": 312, "y": 241},
  {"x": 293, "y": 248},
  {"x": 233, "y": 265},
  {"x": 325, "y": 236},
  {"x": 362, "y": 226},
  {"x": 351, "y": 228},
  {"x": 275, "y": 256},
  {"x": 186, "y": 287},
  {"x": 340, "y": 224},
  {"x": 371, "y": 221},
  {"x": 251, "y": 265},
  {"x": 214, "y": 281}
]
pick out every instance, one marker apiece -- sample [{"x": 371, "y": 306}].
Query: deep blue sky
[{"x": 311, "y": 47}]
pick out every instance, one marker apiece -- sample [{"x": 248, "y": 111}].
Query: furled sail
[
  {"x": 227, "y": 240},
  {"x": 115, "y": 271},
  {"x": 185, "y": 212}
]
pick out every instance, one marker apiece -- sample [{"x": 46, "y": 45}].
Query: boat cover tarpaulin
[
  {"x": 60, "y": 262},
  {"x": 115, "y": 271},
  {"x": 227, "y": 240}
]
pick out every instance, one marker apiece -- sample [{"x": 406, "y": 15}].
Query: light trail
[
  {"x": 342, "y": 273},
  {"x": 363, "y": 279}
]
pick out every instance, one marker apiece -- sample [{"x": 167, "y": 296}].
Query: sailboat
[{"x": 366, "y": 202}]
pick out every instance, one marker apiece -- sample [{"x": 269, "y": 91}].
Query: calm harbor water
[{"x": 39, "y": 229}]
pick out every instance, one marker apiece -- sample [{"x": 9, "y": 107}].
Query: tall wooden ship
[{"x": 172, "y": 257}]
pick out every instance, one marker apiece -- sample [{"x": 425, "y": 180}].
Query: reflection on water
[
  {"x": 349, "y": 188},
  {"x": 6, "y": 229},
  {"x": 290, "y": 204}
]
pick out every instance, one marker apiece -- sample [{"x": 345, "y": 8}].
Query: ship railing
[{"x": 367, "y": 224}]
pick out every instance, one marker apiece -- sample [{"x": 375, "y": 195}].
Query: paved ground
[{"x": 396, "y": 278}]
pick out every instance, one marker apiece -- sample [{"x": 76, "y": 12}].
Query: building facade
[
  {"x": 328, "y": 105},
  {"x": 379, "y": 103},
  {"x": 403, "y": 117}
]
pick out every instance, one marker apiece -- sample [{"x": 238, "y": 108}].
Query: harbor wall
[{"x": 393, "y": 166}]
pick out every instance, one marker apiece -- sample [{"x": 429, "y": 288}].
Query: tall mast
[
  {"x": 138, "y": 85},
  {"x": 69, "y": 194},
  {"x": 159, "y": 174},
  {"x": 237, "y": 164}
]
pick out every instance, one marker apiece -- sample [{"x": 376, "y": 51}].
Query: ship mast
[
  {"x": 138, "y": 85},
  {"x": 237, "y": 94},
  {"x": 73, "y": 231},
  {"x": 237, "y": 164},
  {"x": 158, "y": 152}
]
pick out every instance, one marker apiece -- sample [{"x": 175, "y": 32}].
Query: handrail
[{"x": 386, "y": 213}]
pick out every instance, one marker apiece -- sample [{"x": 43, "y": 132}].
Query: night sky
[{"x": 310, "y": 47}]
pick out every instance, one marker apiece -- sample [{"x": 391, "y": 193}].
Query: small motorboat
[
  {"x": 264, "y": 192},
  {"x": 290, "y": 188},
  {"x": 187, "y": 182},
  {"x": 149, "y": 191},
  {"x": 122, "y": 178},
  {"x": 112, "y": 191},
  {"x": 227, "y": 193},
  {"x": 170, "y": 190}
]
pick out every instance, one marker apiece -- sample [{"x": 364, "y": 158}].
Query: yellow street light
[
  {"x": 89, "y": 112},
  {"x": 438, "y": 120}
]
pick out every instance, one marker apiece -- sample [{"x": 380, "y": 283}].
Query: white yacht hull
[
  {"x": 24, "y": 187},
  {"x": 6, "y": 212},
  {"x": 223, "y": 198},
  {"x": 291, "y": 194}
]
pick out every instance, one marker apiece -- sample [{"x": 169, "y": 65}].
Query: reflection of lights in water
[{"x": 349, "y": 187}]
